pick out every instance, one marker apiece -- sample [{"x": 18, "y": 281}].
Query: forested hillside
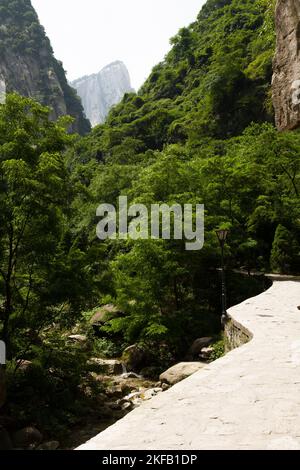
[
  {"x": 213, "y": 83},
  {"x": 199, "y": 131}
]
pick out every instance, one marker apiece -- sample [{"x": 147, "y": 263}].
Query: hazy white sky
[{"x": 86, "y": 35}]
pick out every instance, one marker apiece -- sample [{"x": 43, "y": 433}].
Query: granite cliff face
[
  {"x": 28, "y": 66},
  {"x": 99, "y": 92},
  {"x": 286, "y": 78}
]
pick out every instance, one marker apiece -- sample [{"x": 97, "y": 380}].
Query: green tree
[
  {"x": 35, "y": 197},
  {"x": 285, "y": 251}
]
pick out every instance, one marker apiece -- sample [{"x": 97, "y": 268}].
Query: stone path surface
[{"x": 249, "y": 399}]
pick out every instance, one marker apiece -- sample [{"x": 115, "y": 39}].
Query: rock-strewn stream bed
[{"x": 123, "y": 393}]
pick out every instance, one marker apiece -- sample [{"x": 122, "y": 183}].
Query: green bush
[{"x": 285, "y": 255}]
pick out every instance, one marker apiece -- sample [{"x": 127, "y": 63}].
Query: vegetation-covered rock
[{"x": 28, "y": 66}]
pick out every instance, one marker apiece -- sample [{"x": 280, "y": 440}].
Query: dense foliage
[{"x": 200, "y": 130}]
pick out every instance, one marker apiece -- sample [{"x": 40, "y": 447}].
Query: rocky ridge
[
  {"x": 286, "y": 77},
  {"x": 101, "y": 91},
  {"x": 28, "y": 65}
]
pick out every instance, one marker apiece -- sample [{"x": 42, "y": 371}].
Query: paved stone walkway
[{"x": 249, "y": 399}]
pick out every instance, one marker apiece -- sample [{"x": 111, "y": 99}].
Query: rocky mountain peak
[{"x": 101, "y": 91}]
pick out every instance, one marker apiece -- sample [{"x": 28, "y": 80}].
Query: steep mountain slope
[
  {"x": 214, "y": 82},
  {"x": 101, "y": 91},
  {"x": 28, "y": 66},
  {"x": 286, "y": 83}
]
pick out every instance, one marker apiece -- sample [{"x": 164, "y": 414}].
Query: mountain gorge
[
  {"x": 28, "y": 66},
  {"x": 100, "y": 92},
  {"x": 201, "y": 130},
  {"x": 213, "y": 83}
]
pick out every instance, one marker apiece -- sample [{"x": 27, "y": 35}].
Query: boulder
[
  {"x": 180, "y": 372},
  {"x": 51, "y": 445},
  {"x": 79, "y": 339},
  {"x": 134, "y": 357},
  {"x": 27, "y": 438},
  {"x": 5, "y": 441},
  {"x": 197, "y": 346},
  {"x": 131, "y": 375},
  {"x": 206, "y": 353},
  {"x": 105, "y": 314},
  {"x": 106, "y": 366}
]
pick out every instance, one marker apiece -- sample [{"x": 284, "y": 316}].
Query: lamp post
[{"x": 222, "y": 236}]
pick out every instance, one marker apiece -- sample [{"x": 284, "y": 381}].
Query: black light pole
[{"x": 222, "y": 236}]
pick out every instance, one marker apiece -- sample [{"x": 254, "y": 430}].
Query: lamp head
[{"x": 222, "y": 235}]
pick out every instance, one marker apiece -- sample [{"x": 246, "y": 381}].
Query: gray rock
[
  {"x": 131, "y": 375},
  {"x": 33, "y": 70},
  {"x": 286, "y": 76},
  {"x": 81, "y": 339},
  {"x": 104, "y": 314},
  {"x": 180, "y": 372},
  {"x": 5, "y": 441},
  {"x": 106, "y": 366},
  {"x": 206, "y": 353},
  {"x": 27, "y": 438},
  {"x": 51, "y": 445},
  {"x": 101, "y": 91},
  {"x": 2, "y": 91},
  {"x": 197, "y": 346},
  {"x": 134, "y": 358}
]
